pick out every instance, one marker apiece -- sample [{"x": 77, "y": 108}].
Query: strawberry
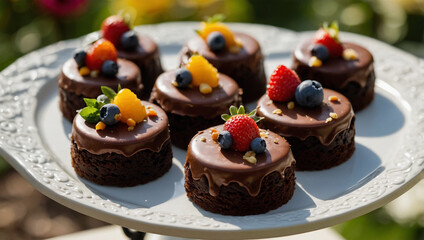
[
  {"x": 282, "y": 84},
  {"x": 242, "y": 128},
  {"x": 99, "y": 52},
  {"x": 328, "y": 36},
  {"x": 113, "y": 27}
]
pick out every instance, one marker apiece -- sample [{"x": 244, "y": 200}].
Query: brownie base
[
  {"x": 235, "y": 200},
  {"x": 114, "y": 169},
  {"x": 70, "y": 102},
  {"x": 311, "y": 154}
]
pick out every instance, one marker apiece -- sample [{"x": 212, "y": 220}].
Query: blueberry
[
  {"x": 103, "y": 99},
  {"x": 80, "y": 58},
  {"x": 129, "y": 40},
  {"x": 216, "y": 41},
  {"x": 320, "y": 51},
  {"x": 225, "y": 139},
  {"x": 108, "y": 113},
  {"x": 183, "y": 77},
  {"x": 258, "y": 145},
  {"x": 309, "y": 93},
  {"x": 110, "y": 68}
]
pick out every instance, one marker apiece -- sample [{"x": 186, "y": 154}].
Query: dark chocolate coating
[
  {"x": 354, "y": 79},
  {"x": 246, "y": 67},
  {"x": 147, "y": 58},
  {"x": 222, "y": 167}
]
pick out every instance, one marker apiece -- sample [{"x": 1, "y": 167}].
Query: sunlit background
[{"x": 26, "y": 25}]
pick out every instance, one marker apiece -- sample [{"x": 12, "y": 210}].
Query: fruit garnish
[
  {"x": 350, "y": 54},
  {"x": 258, "y": 145},
  {"x": 225, "y": 140},
  {"x": 129, "y": 40},
  {"x": 79, "y": 58},
  {"x": 113, "y": 27},
  {"x": 110, "y": 114},
  {"x": 315, "y": 62},
  {"x": 214, "y": 24},
  {"x": 282, "y": 84},
  {"x": 183, "y": 78},
  {"x": 202, "y": 71},
  {"x": 329, "y": 37},
  {"x": 320, "y": 51},
  {"x": 84, "y": 71},
  {"x": 205, "y": 88},
  {"x": 309, "y": 94},
  {"x": 242, "y": 127},
  {"x": 99, "y": 52},
  {"x": 130, "y": 106},
  {"x": 110, "y": 68},
  {"x": 216, "y": 41}
]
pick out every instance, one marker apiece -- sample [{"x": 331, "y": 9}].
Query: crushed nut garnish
[
  {"x": 276, "y": 141},
  {"x": 152, "y": 113},
  {"x": 203, "y": 139},
  {"x": 94, "y": 73},
  {"x": 328, "y": 120},
  {"x": 333, "y": 115},
  {"x": 263, "y": 134},
  {"x": 269, "y": 102},
  {"x": 100, "y": 126},
  {"x": 84, "y": 71},
  {"x": 290, "y": 105},
  {"x": 118, "y": 117},
  {"x": 350, "y": 54},
  {"x": 174, "y": 83},
  {"x": 333, "y": 98},
  {"x": 130, "y": 129},
  {"x": 215, "y": 136},
  {"x": 277, "y": 111},
  {"x": 315, "y": 62},
  {"x": 250, "y": 157},
  {"x": 205, "y": 88}
]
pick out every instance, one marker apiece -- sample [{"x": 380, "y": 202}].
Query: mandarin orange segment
[
  {"x": 130, "y": 106},
  {"x": 207, "y": 28},
  {"x": 202, "y": 71}
]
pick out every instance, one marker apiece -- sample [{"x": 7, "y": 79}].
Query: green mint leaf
[
  {"x": 216, "y": 18},
  {"x": 90, "y": 114},
  {"x": 119, "y": 87},
  {"x": 256, "y": 118},
  {"x": 109, "y": 92},
  {"x": 233, "y": 110},
  {"x": 198, "y": 32},
  {"x": 252, "y": 113},
  {"x": 91, "y": 102},
  {"x": 241, "y": 110},
  {"x": 225, "y": 117}
]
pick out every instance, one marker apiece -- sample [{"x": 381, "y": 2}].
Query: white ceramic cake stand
[{"x": 34, "y": 139}]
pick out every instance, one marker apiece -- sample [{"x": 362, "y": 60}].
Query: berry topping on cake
[
  {"x": 80, "y": 58},
  {"x": 204, "y": 75},
  {"x": 282, "y": 84},
  {"x": 309, "y": 94},
  {"x": 110, "y": 68},
  {"x": 110, "y": 108},
  {"x": 225, "y": 140},
  {"x": 214, "y": 24},
  {"x": 328, "y": 36},
  {"x": 183, "y": 78},
  {"x": 110, "y": 114},
  {"x": 216, "y": 41},
  {"x": 99, "y": 52},
  {"x": 129, "y": 40},
  {"x": 130, "y": 106},
  {"x": 320, "y": 51},
  {"x": 258, "y": 145},
  {"x": 242, "y": 128},
  {"x": 113, "y": 27}
]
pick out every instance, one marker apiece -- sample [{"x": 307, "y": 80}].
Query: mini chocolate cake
[
  {"x": 73, "y": 87},
  {"x": 116, "y": 156},
  {"x": 189, "y": 110},
  {"x": 246, "y": 66},
  {"x": 354, "y": 78},
  {"x": 318, "y": 139},
  {"x": 220, "y": 181},
  {"x": 146, "y": 56}
]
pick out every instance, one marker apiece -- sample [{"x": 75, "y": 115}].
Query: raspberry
[
  {"x": 113, "y": 27},
  {"x": 99, "y": 52},
  {"x": 243, "y": 130},
  {"x": 282, "y": 84},
  {"x": 323, "y": 37},
  {"x": 130, "y": 106},
  {"x": 202, "y": 71}
]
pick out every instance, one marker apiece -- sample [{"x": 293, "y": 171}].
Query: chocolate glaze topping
[
  {"x": 146, "y": 48},
  {"x": 150, "y": 134},
  {"x": 221, "y": 167},
  {"x": 303, "y": 122},
  {"x": 190, "y": 101},
  {"x": 334, "y": 73},
  {"x": 71, "y": 80}
]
